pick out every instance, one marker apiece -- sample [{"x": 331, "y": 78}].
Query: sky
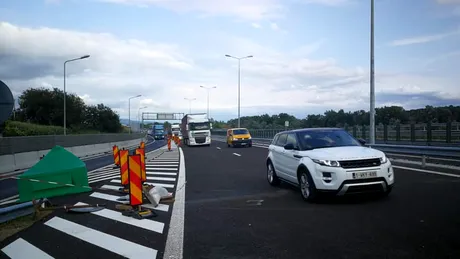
[{"x": 309, "y": 56}]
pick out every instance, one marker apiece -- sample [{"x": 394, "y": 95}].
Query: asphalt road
[
  {"x": 8, "y": 187},
  {"x": 232, "y": 212}
]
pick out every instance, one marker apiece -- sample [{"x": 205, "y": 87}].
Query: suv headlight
[
  {"x": 383, "y": 159},
  {"x": 331, "y": 163}
]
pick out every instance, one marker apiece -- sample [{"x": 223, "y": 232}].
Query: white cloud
[
  {"x": 274, "y": 26},
  {"x": 425, "y": 38},
  {"x": 247, "y": 10},
  {"x": 256, "y": 25},
  {"x": 165, "y": 74}
]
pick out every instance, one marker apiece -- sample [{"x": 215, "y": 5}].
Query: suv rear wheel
[{"x": 271, "y": 175}]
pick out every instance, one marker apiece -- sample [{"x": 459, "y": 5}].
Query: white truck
[
  {"x": 175, "y": 128},
  {"x": 196, "y": 129}
]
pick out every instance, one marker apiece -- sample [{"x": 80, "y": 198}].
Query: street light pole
[
  {"x": 239, "y": 83},
  {"x": 129, "y": 111},
  {"x": 139, "y": 117},
  {"x": 208, "y": 90},
  {"x": 190, "y": 104},
  {"x": 372, "y": 82},
  {"x": 65, "y": 95}
]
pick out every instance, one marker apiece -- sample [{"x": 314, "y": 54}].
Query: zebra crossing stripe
[
  {"x": 150, "y": 225},
  {"x": 20, "y": 249},
  {"x": 111, "y": 243}
]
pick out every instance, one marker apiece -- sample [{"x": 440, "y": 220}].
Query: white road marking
[
  {"x": 20, "y": 248},
  {"x": 111, "y": 243},
  {"x": 161, "y": 168},
  {"x": 150, "y": 225},
  {"x": 218, "y": 148},
  {"x": 103, "y": 179},
  {"x": 236, "y": 154},
  {"x": 94, "y": 176},
  {"x": 103, "y": 196},
  {"x": 175, "y": 240},
  {"x": 168, "y": 179},
  {"x": 427, "y": 171},
  {"x": 9, "y": 198},
  {"x": 159, "y": 173},
  {"x": 9, "y": 202},
  {"x": 160, "y": 165}
]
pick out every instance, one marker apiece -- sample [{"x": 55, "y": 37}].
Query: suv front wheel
[{"x": 307, "y": 186}]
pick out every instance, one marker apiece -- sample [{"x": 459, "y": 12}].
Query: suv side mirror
[
  {"x": 289, "y": 146},
  {"x": 362, "y": 141}
]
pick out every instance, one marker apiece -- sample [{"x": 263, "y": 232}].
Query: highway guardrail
[
  {"x": 435, "y": 134},
  {"x": 17, "y": 153}
]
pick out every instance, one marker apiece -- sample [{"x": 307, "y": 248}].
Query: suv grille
[{"x": 360, "y": 163}]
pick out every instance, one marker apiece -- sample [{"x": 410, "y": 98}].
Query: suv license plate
[{"x": 361, "y": 175}]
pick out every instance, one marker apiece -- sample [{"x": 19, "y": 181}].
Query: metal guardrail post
[
  {"x": 423, "y": 161},
  {"x": 449, "y": 132},
  {"x": 429, "y": 136},
  {"x": 412, "y": 132}
]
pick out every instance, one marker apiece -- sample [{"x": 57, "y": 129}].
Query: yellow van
[{"x": 239, "y": 137}]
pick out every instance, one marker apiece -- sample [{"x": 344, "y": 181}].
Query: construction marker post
[
  {"x": 135, "y": 189},
  {"x": 142, "y": 144},
  {"x": 116, "y": 155},
  {"x": 141, "y": 152},
  {"x": 124, "y": 172}
]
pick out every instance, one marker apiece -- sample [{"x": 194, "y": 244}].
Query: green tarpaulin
[{"x": 59, "y": 167}]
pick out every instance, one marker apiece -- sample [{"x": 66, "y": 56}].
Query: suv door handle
[{"x": 297, "y": 156}]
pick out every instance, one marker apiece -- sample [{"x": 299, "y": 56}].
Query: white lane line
[
  {"x": 103, "y": 196},
  {"x": 163, "y": 165},
  {"x": 105, "y": 178},
  {"x": 9, "y": 198},
  {"x": 20, "y": 248},
  {"x": 161, "y": 168},
  {"x": 168, "y": 179},
  {"x": 9, "y": 202},
  {"x": 90, "y": 177},
  {"x": 236, "y": 154},
  {"x": 150, "y": 225},
  {"x": 111, "y": 243},
  {"x": 105, "y": 170},
  {"x": 175, "y": 240},
  {"x": 154, "y": 184},
  {"x": 427, "y": 171},
  {"x": 159, "y": 173},
  {"x": 107, "y": 166},
  {"x": 218, "y": 148}
]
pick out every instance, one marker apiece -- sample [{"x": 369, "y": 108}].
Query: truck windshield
[
  {"x": 240, "y": 131},
  {"x": 199, "y": 126}
]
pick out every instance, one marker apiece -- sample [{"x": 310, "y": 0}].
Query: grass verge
[{"x": 12, "y": 227}]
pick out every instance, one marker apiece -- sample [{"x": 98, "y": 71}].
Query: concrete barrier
[{"x": 34, "y": 147}]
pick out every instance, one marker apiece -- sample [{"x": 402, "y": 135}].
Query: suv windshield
[
  {"x": 240, "y": 132},
  {"x": 312, "y": 139},
  {"x": 199, "y": 126}
]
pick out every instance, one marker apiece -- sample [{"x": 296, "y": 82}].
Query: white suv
[{"x": 327, "y": 160}]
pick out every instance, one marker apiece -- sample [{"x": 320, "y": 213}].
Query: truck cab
[
  {"x": 175, "y": 128},
  {"x": 196, "y": 130}
]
